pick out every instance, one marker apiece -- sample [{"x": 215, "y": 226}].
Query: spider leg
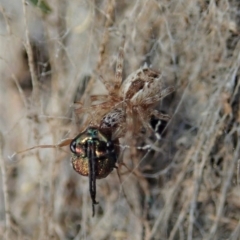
[
  {"x": 78, "y": 102},
  {"x": 129, "y": 121},
  {"x": 120, "y": 164},
  {"x": 108, "y": 85},
  {"x": 98, "y": 98},
  {"x": 145, "y": 123},
  {"x": 161, "y": 116},
  {"x": 119, "y": 66},
  {"x": 63, "y": 143},
  {"x": 123, "y": 190},
  {"x": 81, "y": 110},
  {"x": 142, "y": 181},
  {"x": 105, "y": 101},
  {"x": 96, "y": 108},
  {"x": 160, "y": 96}
]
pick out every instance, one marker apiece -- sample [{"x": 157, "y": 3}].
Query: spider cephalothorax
[{"x": 94, "y": 155}]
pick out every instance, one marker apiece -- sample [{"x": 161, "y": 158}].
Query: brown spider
[{"x": 129, "y": 104}]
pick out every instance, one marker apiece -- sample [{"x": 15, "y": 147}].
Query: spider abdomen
[{"x": 143, "y": 84}]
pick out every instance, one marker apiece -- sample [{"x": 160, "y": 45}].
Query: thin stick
[
  {"x": 225, "y": 187},
  {"x": 30, "y": 55},
  {"x": 109, "y": 21},
  {"x": 5, "y": 190}
]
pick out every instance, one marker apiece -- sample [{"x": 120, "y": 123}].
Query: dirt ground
[{"x": 186, "y": 185}]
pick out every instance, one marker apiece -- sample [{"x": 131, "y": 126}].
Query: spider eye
[{"x": 73, "y": 146}]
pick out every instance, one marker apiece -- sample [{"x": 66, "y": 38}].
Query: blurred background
[{"x": 52, "y": 54}]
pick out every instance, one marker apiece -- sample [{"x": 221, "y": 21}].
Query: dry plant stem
[
  {"x": 235, "y": 235},
  {"x": 215, "y": 126},
  {"x": 5, "y": 190},
  {"x": 213, "y": 132},
  {"x": 17, "y": 84},
  {"x": 163, "y": 217},
  {"x": 20, "y": 90},
  {"x": 108, "y": 23},
  {"x": 226, "y": 185},
  {"x": 28, "y": 47},
  {"x": 53, "y": 168},
  {"x": 144, "y": 186},
  {"x": 174, "y": 191},
  {"x": 42, "y": 205},
  {"x": 10, "y": 33},
  {"x": 170, "y": 198},
  {"x": 238, "y": 172},
  {"x": 2, "y": 10},
  {"x": 173, "y": 54},
  {"x": 56, "y": 52},
  {"x": 199, "y": 167},
  {"x": 198, "y": 170},
  {"x": 180, "y": 219}
]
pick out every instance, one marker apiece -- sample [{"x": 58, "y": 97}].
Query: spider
[{"x": 129, "y": 104}]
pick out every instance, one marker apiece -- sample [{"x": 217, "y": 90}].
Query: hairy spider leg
[
  {"x": 137, "y": 174},
  {"x": 120, "y": 164},
  {"x": 94, "y": 112},
  {"x": 146, "y": 124},
  {"x": 160, "y": 116},
  {"x": 122, "y": 188},
  {"x": 108, "y": 101},
  {"x": 63, "y": 143},
  {"x": 129, "y": 119},
  {"x": 99, "y": 98},
  {"x": 107, "y": 85},
  {"x": 119, "y": 66},
  {"x": 158, "y": 97}
]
